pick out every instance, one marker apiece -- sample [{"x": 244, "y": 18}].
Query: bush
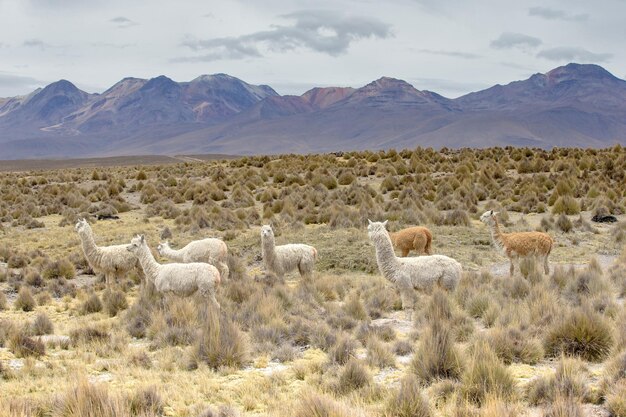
[
  {"x": 114, "y": 301},
  {"x": 86, "y": 399},
  {"x": 91, "y": 305},
  {"x": 378, "y": 354},
  {"x": 146, "y": 402},
  {"x": 566, "y": 205},
  {"x": 3, "y": 301},
  {"x": 582, "y": 333},
  {"x": 564, "y": 223},
  {"x": 486, "y": 376},
  {"x": 25, "y": 300},
  {"x": 221, "y": 343},
  {"x": 23, "y": 346},
  {"x": 616, "y": 399},
  {"x": 343, "y": 350},
  {"x": 565, "y": 407},
  {"x": 88, "y": 334},
  {"x": 41, "y": 325},
  {"x": 316, "y": 405},
  {"x": 457, "y": 218},
  {"x": 437, "y": 357},
  {"x": 408, "y": 401},
  {"x": 354, "y": 376},
  {"x": 57, "y": 269}
]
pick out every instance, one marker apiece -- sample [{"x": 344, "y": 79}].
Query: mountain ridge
[{"x": 571, "y": 105}]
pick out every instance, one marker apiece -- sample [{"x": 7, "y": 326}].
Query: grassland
[{"x": 508, "y": 346}]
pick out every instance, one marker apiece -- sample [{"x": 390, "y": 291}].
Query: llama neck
[
  {"x": 149, "y": 265},
  {"x": 268, "y": 250},
  {"x": 91, "y": 250},
  {"x": 385, "y": 257},
  {"x": 497, "y": 236},
  {"x": 173, "y": 254}
]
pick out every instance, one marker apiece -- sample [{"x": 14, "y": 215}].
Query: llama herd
[{"x": 201, "y": 265}]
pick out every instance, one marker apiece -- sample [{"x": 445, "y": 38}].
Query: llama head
[
  {"x": 266, "y": 231},
  {"x": 81, "y": 225},
  {"x": 163, "y": 245},
  {"x": 136, "y": 243},
  {"x": 489, "y": 217},
  {"x": 376, "y": 227}
]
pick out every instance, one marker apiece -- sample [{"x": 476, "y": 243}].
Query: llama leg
[
  {"x": 405, "y": 252},
  {"x": 546, "y": 266},
  {"x": 512, "y": 267},
  {"x": 224, "y": 271},
  {"x": 408, "y": 302}
]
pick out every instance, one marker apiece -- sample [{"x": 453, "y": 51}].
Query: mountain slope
[{"x": 573, "y": 105}]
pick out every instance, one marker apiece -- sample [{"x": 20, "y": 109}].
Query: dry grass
[{"x": 319, "y": 348}]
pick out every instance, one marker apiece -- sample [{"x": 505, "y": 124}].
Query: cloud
[
  {"x": 508, "y": 40},
  {"x": 36, "y": 43},
  {"x": 319, "y": 31},
  {"x": 573, "y": 53},
  {"x": 123, "y": 22},
  {"x": 454, "y": 54},
  {"x": 112, "y": 45},
  {"x": 12, "y": 84},
  {"x": 554, "y": 14}
]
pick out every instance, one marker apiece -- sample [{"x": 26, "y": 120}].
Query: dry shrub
[
  {"x": 495, "y": 407},
  {"x": 89, "y": 400},
  {"x": 3, "y": 301},
  {"x": 114, "y": 301},
  {"x": 41, "y": 325},
  {"x": 91, "y": 305},
  {"x": 221, "y": 343},
  {"x": 146, "y": 402},
  {"x": 564, "y": 223},
  {"x": 565, "y": 407},
  {"x": 486, "y": 376},
  {"x": 343, "y": 350},
  {"x": 583, "y": 333},
  {"x": 88, "y": 334},
  {"x": 457, "y": 218},
  {"x": 25, "y": 300},
  {"x": 378, "y": 354},
  {"x": 616, "y": 399},
  {"x": 353, "y": 376},
  {"x": 408, "y": 401},
  {"x": 43, "y": 298},
  {"x": 316, "y": 405},
  {"x": 513, "y": 345},
  {"x": 222, "y": 411},
  {"x": 23, "y": 346},
  {"x": 354, "y": 307},
  {"x": 566, "y": 205},
  {"x": 57, "y": 269},
  {"x": 569, "y": 380},
  {"x": 437, "y": 357}
]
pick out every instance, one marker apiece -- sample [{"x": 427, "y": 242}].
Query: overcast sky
[{"x": 448, "y": 46}]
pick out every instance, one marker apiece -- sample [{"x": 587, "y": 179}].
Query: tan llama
[{"x": 413, "y": 238}]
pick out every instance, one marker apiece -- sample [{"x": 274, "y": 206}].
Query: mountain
[{"x": 572, "y": 105}]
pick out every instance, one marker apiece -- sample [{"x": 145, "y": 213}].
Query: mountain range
[{"x": 570, "y": 106}]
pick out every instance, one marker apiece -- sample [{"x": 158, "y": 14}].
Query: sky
[{"x": 451, "y": 47}]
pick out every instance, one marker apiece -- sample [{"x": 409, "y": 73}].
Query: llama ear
[
  {"x": 369, "y": 221},
  {"x": 143, "y": 238},
  {"x": 496, "y": 213},
  {"x": 385, "y": 223}
]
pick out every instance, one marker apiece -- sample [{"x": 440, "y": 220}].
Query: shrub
[
  {"x": 354, "y": 376},
  {"x": 25, "y": 300},
  {"x": 41, "y": 325},
  {"x": 22, "y": 346},
  {"x": 564, "y": 223},
  {"x": 3, "y": 301},
  {"x": 582, "y": 333},
  {"x": 57, "y": 269},
  {"x": 146, "y": 401},
  {"x": 316, "y": 405},
  {"x": 565, "y": 407},
  {"x": 343, "y": 350},
  {"x": 457, "y": 218},
  {"x": 114, "y": 301},
  {"x": 91, "y": 305},
  {"x": 88, "y": 334},
  {"x": 378, "y": 354},
  {"x": 408, "y": 401},
  {"x": 566, "y": 205},
  {"x": 437, "y": 357},
  {"x": 616, "y": 399},
  {"x": 86, "y": 399},
  {"x": 486, "y": 376},
  {"x": 221, "y": 343}
]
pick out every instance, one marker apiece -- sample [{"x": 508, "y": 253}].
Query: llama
[
  {"x": 520, "y": 244},
  {"x": 212, "y": 251},
  {"x": 286, "y": 258},
  {"x": 113, "y": 261},
  {"x": 413, "y": 238},
  {"x": 181, "y": 279},
  {"x": 409, "y": 274}
]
